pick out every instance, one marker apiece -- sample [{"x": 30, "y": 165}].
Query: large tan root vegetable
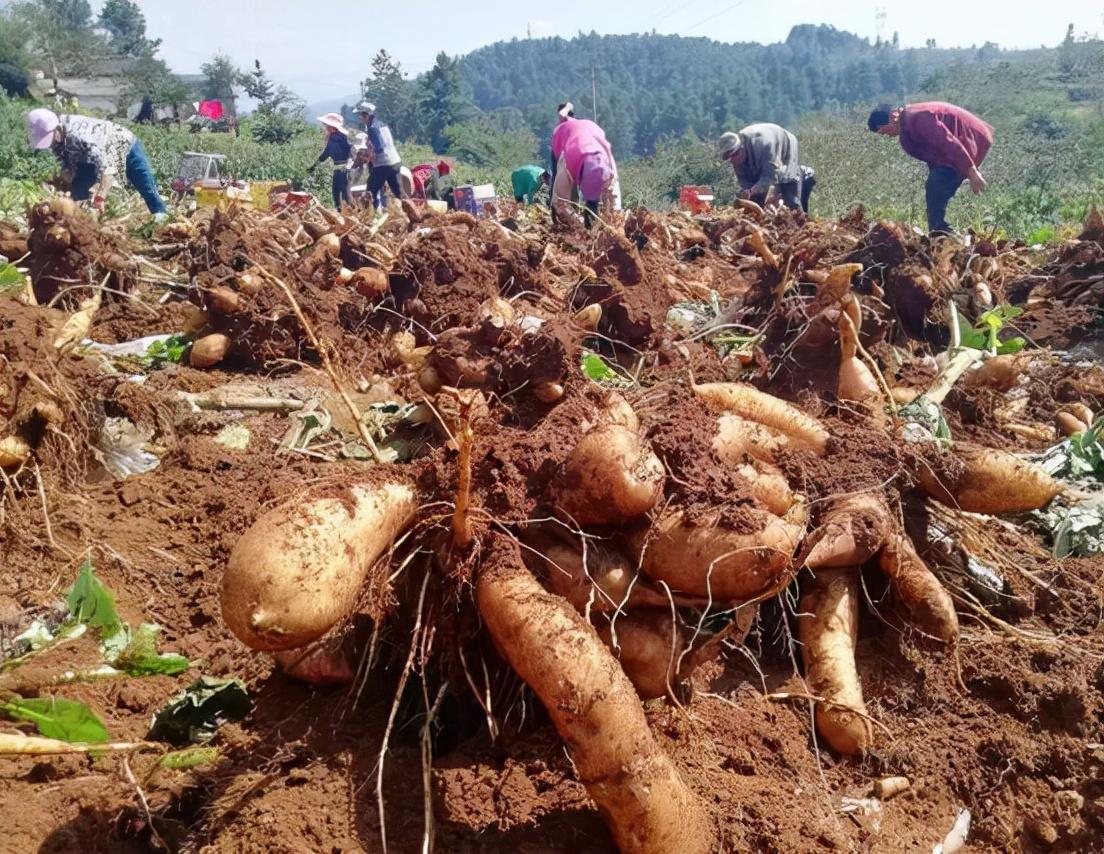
[
  {"x": 928, "y": 603},
  {"x": 702, "y": 558},
  {"x": 766, "y": 409},
  {"x": 648, "y": 645},
  {"x": 767, "y": 486},
  {"x": 299, "y": 569},
  {"x": 991, "y": 481},
  {"x": 827, "y": 626},
  {"x": 612, "y": 476},
  {"x": 853, "y": 530},
  {"x": 638, "y": 790}
]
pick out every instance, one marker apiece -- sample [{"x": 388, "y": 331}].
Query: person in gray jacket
[{"x": 763, "y": 156}]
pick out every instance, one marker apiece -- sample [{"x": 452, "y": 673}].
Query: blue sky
[{"x": 323, "y": 50}]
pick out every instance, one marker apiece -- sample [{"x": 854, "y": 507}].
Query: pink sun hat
[
  {"x": 41, "y": 124},
  {"x": 333, "y": 120}
]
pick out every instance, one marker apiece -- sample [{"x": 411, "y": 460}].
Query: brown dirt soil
[{"x": 1008, "y": 724}]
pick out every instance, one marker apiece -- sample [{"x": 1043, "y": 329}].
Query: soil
[{"x": 1008, "y": 724}]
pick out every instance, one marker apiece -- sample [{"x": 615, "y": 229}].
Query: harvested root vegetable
[
  {"x": 702, "y": 558},
  {"x": 765, "y": 409},
  {"x": 14, "y": 451},
  {"x": 997, "y": 372},
  {"x": 990, "y": 481},
  {"x": 835, "y": 286},
  {"x": 406, "y": 350},
  {"x": 1069, "y": 424},
  {"x": 223, "y": 300},
  {"x": 856, "y": 383},
  {"x": 853, "y": 530},
  {"x": 648, "y": 645},
  {"x": 298, "y": 570},
  {"x": 904, "y": 395},
  {"x": 928, "y": 603},
  {"x": 827, "y": 626},
  {"x": 738, "y": 438},
  {"x": 600, "y": 581},
  {"x": 209, "y": 350},
  {"x": 369, "y": 282},
  {"x": 1082, "y": 413},
  {"x": 768, "y": 486},
  {"x": 329, "y": 243},
  {"x": 612, "y": 476},
  {"x": 589, "y": 317},
  {"x": 593, "y": 705}
]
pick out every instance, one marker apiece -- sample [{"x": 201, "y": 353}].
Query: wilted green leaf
[
  {"x": 200, "y": 710},
  {"x": 141, "y": 658},
  {"x": 56, "y": 717}
]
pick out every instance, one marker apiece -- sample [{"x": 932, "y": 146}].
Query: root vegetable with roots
[
  {"x": 989, "y": 480},
  {"x": 827, "y": 627},
  {"x": 765, "y": 409},
  {"x": 594, "y": 707},
  {"x": 299, "y": 569}
]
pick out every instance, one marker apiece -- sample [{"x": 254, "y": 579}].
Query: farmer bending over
[
  {"x": 584, "y": 165},
  {"x": 951, "y": 140},
  {"x": 94, "y": 153},
  {"x": 763, "y": 156},
  {"x": 527, "y": 181}
]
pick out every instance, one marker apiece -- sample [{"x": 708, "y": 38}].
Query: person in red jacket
[{"x": 951, "y": 140}]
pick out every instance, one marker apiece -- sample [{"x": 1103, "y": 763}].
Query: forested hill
[{"x": 654, "y": 86}]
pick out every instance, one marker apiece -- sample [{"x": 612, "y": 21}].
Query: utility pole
[{"x": 593, "y": 92}]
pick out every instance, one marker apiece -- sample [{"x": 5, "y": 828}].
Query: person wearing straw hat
[
  {"x": 94, "y": 154},
  {"x": 764, "y": 155},
  {"x": 339, "y": 149},
  {"x": 386, "y": 162}
]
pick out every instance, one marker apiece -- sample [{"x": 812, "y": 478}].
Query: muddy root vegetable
[
  {"x": 765, "y": 409},
  {"x": 299, "y": 569},
  {"x": 209, "y": 350},
  {"x": 595, "y": 709},
  {"x": 648, "y": 646},
  {"x": 600, "y": 581},
  {"x": 768, "y": 486},
  {"x": 856, "y": 383},
  {"x": 990, "y": 481},
  {"x": 369, "y": 282},
  {"x": 827, "y": 626},
  {"x": 1069, "y": 424},
  {"x": 738, "y": 438},
  {"x": 928, "y": 603},
  {"x": 853, "y": 531},
  {"x": 998, "y": 372},
  {"x": 223, "y": 300},
  {"x": 612, "y": 476},
  {"x": 702, "y": 558}
]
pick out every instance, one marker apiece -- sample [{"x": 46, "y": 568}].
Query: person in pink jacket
[{"x": 584, "y": 165}]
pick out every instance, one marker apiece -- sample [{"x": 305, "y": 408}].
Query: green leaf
[
  {"x": 140, "y": 656},
  {"x": 191, "y": 757},
  {"x": 200, "y": 710},
  {"x": 171, "y": 349},
  {"x": 595, "y": 368},
  {"x": 1011, "y": 345},
  {"x": 91, "y": 603},
  {"x": 11, "y": 280},
  {"x": 56, "y": 717}
]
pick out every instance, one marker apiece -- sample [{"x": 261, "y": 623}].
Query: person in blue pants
[{"x": 95, "y": 154}]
